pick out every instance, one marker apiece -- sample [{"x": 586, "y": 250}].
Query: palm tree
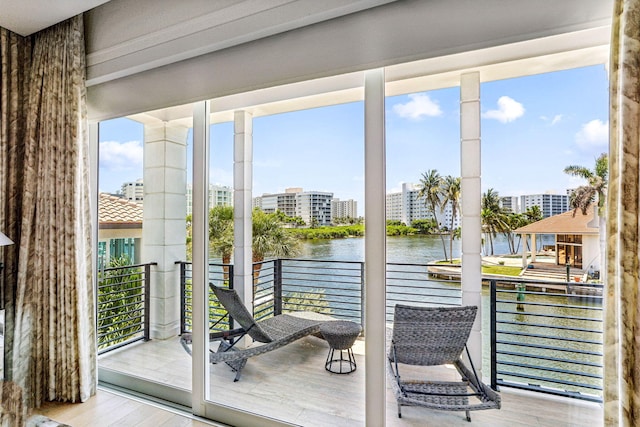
[
  {"x": 493, "y": 217},
  {"x": 221, "y": 232},
  {"x": 451, "y": 190},
  {"x": 270, "y": 239},
  {"x": 596, "y": 186},
  {"x": 430, "y": 189},
  {"x": 595, "y": 190}
]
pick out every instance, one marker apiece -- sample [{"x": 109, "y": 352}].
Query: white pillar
[
  {"x": 471, "y": 206},
  {"x": 533, "y": 247},
  {"x": 524, "y": 250},
  {"x": 200, "y": 257},
  {"x": 242, "y": 191},
  {"x": 375, "y": 253},
  {"x": 164, "y": 219}
]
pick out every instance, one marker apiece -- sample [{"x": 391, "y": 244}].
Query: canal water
[{"x": 561, "y": 335}]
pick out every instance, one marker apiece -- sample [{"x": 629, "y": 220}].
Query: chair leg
[
  {"x": 468, "y": 416},
  {"x": 399, "y": 410}
]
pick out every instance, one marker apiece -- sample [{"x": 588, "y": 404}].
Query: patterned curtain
[
  {"x": 49, "y": 288},
  {"x": 622, "y": 303}
]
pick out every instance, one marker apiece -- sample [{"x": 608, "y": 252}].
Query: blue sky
[{"x": 532, "y": 127}]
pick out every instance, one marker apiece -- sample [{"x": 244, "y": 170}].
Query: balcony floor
[{"x": 291, "y": 384}]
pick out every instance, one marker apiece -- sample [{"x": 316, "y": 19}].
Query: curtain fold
[
  {"x": 622, "y": 309},
  {"x": 53, "y": 353}
]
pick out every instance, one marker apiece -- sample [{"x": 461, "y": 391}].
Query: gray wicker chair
[
  {"x": 427, "y": 336},
  {"x": 274, "y": 332}
]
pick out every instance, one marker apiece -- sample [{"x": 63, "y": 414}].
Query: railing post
[
  {"x": 183, "y": 298},
  {"x": 231, "y": 276},
  {"x": 362, "y": 302},
  {"x": 147, "y": 302},
  {"x": 493, "y": 326},
  {"x": 277, "y": 287}
]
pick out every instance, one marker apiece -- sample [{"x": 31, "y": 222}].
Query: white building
[
  {"x": 510, "y": 203},
  {"x": 407, "y": 207},
  {"x": 344, "y": 209},
  {"x": 549, "y": 204},
  {"x": 314, "y": 207},
  {"x": 219, "y": 195},
  {"x": 284, "y": 202},
  {"x": 133, "y": 191}
]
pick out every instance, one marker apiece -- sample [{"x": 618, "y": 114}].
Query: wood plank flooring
[{"x": 291, "y": 384}]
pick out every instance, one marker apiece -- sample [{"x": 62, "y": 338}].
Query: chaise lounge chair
[
  {"x": 274, "y": 332},
  {"x": 426, "y": 336}
]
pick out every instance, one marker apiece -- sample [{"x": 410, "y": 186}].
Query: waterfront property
[
  {"x": 576, "y": 238},
  {"x": 176, "y": 68}
]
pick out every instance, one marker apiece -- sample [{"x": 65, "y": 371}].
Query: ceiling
[{"x": 26, "y": 17}]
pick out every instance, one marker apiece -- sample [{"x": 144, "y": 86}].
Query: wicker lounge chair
[
  {"x": 426, "y": 336},
  {"x": 274, "y": 332}
]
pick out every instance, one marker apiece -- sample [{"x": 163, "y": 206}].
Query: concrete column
[
  {"x": 524, "y": 250},
  {"x": 471, "y": 206},
  {"x": 533, "y": 247},
  {"x": 242, "y": 192},
  {"x": 375, "y": 253},
  {"x": 164, "y": 221}
]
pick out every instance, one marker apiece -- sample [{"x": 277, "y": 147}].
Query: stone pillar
[
  {"x": 164, "y": 221},
  {"x": 471, "y": 206},
  {"x": 242, "y": 192}
]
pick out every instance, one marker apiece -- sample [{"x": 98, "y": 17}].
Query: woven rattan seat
[
  {"x": 340, "y": 335},
  {"x": 427, "y": 336},
  {"x": 274, "y": 332}
]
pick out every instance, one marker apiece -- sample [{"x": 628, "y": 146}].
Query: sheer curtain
[
  {"x": 622, "y": 309},
  {"x": 49, "y": 282}
]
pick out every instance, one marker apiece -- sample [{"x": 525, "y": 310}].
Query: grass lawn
[{"x": 502, "y": 270}]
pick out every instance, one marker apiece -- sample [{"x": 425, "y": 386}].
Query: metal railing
[
  {"x": 122, "y": 306},
  {"x": 547, "y": 342}
]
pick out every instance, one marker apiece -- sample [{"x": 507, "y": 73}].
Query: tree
[
  {"x": 430, "y": 189},
  {"x": 451, "y": 187},
  {"x": 221, "y": 232},
  {"x": 596, "y": 186},
  {"x": 594, "y": 191},
  {"x": 492, "y": 215},
  {"x": 270, "y": 239}
]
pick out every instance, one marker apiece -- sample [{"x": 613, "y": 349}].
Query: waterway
[{"x": 404, "y": 249}]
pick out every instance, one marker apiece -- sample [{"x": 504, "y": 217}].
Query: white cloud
[
  {"x": 593, "y": 134},
  {"x": 418, "y": 107},
  {"x": 556, "y": 119},
  {"x": 118, "y": 156},
  {"x": 508, "y": 110}
]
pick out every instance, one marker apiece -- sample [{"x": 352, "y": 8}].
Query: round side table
[{"x": 340, "y": 335}]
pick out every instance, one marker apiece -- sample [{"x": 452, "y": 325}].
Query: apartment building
[
  {"x": 133, "y": 191},
  {"x": 219, "y": 195},
  {"x": 406, "y": 206},
  {"x": 549, "y": 204},
  {"x": 344, "y": 209},
  {"x": 314, "y": 207},
  {"x": 510, "y": 204}
]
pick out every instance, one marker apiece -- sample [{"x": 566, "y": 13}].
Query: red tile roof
[
  {"x": 565, "y": 223},
  {"x": 114, "y": 210}
]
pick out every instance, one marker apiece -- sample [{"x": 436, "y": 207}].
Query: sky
[{"x": 531, "y": 129}]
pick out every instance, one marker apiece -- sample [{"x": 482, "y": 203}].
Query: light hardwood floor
[
  {"x": 291, "y": 384},
  {"x": 107, "y": 408}
]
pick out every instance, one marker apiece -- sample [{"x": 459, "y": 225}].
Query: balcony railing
[
  {"x": 548, "y": 342},
  {"x": 123, "y": 306}
]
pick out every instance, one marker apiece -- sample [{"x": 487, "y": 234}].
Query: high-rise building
[
  {"x": 344, "y": 209},
  {"x": 219, "y": 195},
  {"x": 133, "y": 191},
  {"x": 314, "y": 207},
  {"x": 406, "y": 207},
  {"x": 284, "y": 202},
  {"x": 549, "y": 204},
  {"x": 510, "y": 203}
]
